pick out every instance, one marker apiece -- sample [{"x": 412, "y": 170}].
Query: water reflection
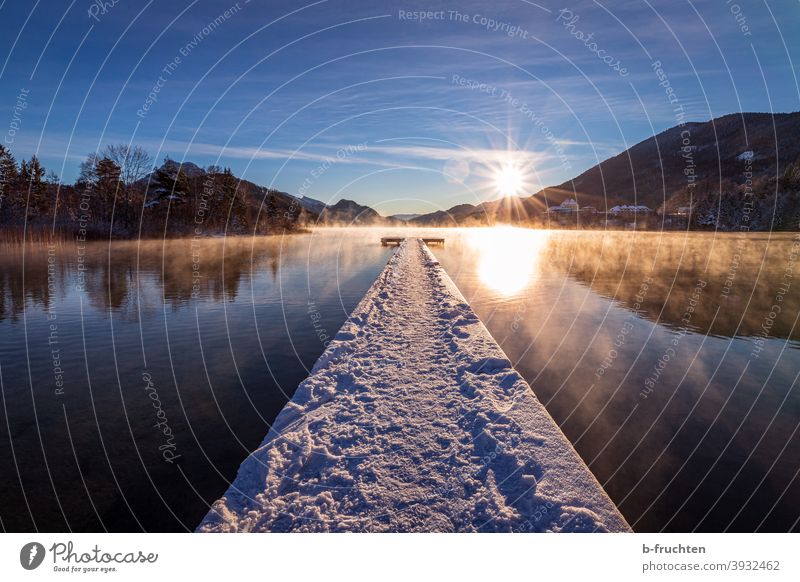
[
  {"x": 652, "y": 274},
  {"x": 743, "y": 276},
  {"x": 217, "y": 332},
  {"x": 665, "y": 361},
  {"x": 508, "y": 258},
  {"x": 688, "y": 423}
]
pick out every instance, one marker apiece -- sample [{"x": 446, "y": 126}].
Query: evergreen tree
[
  {"x": 8, "y": 167},
  {"x": 107, "y": 176},
  {"x": 52, "y": 178},
  {"x": 170, "y": 183},
  {"x": 103, "y": 177},
  {"x": 271, "y": 207},
  {"x": 31, "y": 181},
  {"x": 235, "y": 205},
  {"x": 108, "y": 184},
  {"x": 8, "y": 181}
]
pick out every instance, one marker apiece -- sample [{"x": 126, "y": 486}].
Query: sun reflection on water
[{"x": 508, "y": 258}]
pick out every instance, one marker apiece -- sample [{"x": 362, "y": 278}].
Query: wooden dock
[
  {"x": 413, "y": 365},
  {"x": 389, "y": 240}
]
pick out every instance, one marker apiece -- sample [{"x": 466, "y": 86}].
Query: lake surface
[
  {"x": 212, "y": 336},
  {"x": 137, "y": 376},
  {"x": 670, "y": 361}
]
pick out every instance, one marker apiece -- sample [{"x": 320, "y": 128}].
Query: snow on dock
[
  {"x": 396, "y": 240},
  {"x": 414, "y": 420}
]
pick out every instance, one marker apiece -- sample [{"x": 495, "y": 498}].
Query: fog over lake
[{"x": 136, "y": 376}]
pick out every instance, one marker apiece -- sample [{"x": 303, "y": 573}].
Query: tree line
[{"x": 120, "y": 194}]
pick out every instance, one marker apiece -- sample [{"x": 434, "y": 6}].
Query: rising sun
[{"x": 508, "y": 180}]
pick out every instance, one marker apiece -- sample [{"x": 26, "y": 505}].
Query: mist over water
[
  {"x": 662, "y": 357},
  {"x": 669, "y": 360},
  {"x": 211, "y": 336}
]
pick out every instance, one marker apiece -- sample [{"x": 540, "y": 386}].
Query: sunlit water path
[{"x": 669, "y": 360}]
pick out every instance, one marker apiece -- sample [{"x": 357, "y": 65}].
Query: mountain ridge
[
  {"x": 700, "y": 165},
  {"x": 696, "y": 164}
]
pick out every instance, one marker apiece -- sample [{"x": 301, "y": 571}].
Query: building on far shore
[
  {"x": 569, "y": 213},
  {"x": 567, "y": 206},
  {"x": 629, "y": 210}
]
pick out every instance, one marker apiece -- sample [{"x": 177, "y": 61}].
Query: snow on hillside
[{"x": 414, "y": 420}]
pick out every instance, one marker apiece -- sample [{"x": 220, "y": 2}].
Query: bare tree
[{"x": 134, "y": 161}]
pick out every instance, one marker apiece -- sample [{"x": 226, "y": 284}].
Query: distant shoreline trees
[{"x": 124, "y": 196}]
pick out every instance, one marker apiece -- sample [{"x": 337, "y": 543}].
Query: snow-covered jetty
[{"x": 414, "y": 420}]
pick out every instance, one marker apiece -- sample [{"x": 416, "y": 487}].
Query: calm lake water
[{"x": 669, "y": 360}]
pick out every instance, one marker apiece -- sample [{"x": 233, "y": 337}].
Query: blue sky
[{"x": 364, "y": 100}]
